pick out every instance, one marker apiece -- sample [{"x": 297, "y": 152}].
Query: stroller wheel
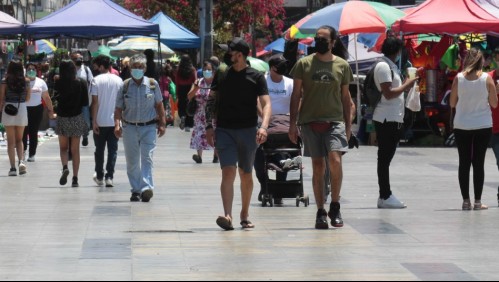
[{"x": 298, "y": 200}]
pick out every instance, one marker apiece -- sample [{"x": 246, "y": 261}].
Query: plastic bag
[{"x": 413, "y": 101}]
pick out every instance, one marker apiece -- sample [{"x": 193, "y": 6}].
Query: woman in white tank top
[{"x": 473, "y": 93}]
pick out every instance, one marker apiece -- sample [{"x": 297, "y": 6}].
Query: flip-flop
[
  {"x": 224, "y": 223},
  {"x": 246, "y": 224}
]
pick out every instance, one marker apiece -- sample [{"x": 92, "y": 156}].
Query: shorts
[
  {"x": 236, "y": 147},
  {"x": 19, "y": 120},
  {"x": 319, "y": 145}
]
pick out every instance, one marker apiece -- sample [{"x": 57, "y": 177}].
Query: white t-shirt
[
  {"x": 280, "y": 94},
  {"x": 82, "y": 73},
  {"x": 106, "y": 87},
  {"x": 390, "y": 110},
  {"x": 38, "y": 86}
]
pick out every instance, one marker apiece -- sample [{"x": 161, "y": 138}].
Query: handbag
[
  {"x": 192, "y": 107},
  {"x": 320, "y": 126},
  {"x": 12, "y": 110}
]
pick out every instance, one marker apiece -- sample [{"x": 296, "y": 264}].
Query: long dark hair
[
  {"x": 15, "y": 79},
  {"x": 67, "y": 73},
  {"x": 338, "y": 48},
  {"x": 185, "y": 67}
]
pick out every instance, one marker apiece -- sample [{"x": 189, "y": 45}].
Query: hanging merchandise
[{"x": 451, "y": 58}]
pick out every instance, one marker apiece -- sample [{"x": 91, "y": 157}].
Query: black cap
[
  {"x": 238, "y": 44},
  {"x": 276, "y": 60}
]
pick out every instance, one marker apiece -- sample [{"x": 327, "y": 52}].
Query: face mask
[
  {"x": 321, "y": 45},
  {"x": 79, "y": 63},
  {"x": 138, "y": 74},
  {"x": 31, "y": 73},
  {"x": 228, "y": 59},
  {"x": 207, "y": 74}
]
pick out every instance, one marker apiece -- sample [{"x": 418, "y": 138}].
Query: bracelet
[{"x": 264, "y": 128}]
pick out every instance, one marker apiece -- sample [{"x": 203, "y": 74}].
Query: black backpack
[{"x": 370, "y": 92}]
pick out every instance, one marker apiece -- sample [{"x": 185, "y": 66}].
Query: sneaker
[
  {"x": 75, "y": 182},
  {"x": 31, "y": 159},
  {"x": 13, "y": 172},
  {"x": 321, "y": 220},
  {"x": 292, "y": 163},
  {"x": 215, "y": 160},
  {"x": 84, "y": 143},
  {"x": 146, "y": 195},
  {"x": 98, "y": 181},
  {"x": 135, "y": 197},
  {"x": 467, "y": 205},
  {"x": 182, "y": 123},
  {"x": 64, "y": 178},
  {"x": 335, "y": 215},
  {"x": 197, "y": 159},
  {"x": 22, "y": 168},
  {"x": 109, "y": 183},
  {"x": 391, "y": 203}
]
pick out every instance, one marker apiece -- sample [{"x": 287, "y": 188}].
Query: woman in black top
[{"x": 72, "y": 96}]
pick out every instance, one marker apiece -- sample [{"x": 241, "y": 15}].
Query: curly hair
[{"x": 15, "y": 79}]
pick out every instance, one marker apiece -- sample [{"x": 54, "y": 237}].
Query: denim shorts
[
  {"x": 236, "y": 147},
  {"x": 318, "y": 145}
]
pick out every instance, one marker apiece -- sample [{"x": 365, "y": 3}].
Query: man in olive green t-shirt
[{"x": 321, "y": 83}]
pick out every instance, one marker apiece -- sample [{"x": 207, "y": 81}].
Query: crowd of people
[{"x": 230, "y": 108}]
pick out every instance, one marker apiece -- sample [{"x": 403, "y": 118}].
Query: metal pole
[
  {"x": 358, "y": 82},
  {"x": 202, "y": 27}
]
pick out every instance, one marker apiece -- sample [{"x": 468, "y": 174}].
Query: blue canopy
[
  {"x": 9, "y": 25},
  {"x": 175, "y": 35},
  {"x": 91, "y": 19},
  {"x": 278, "y": 46}
]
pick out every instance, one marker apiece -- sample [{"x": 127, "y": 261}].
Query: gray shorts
[
  {"x": 318, "y": 145},
  {"x": 236, "y": 147}
]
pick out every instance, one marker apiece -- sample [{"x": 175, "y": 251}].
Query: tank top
[{"x": 472, "y": 110}]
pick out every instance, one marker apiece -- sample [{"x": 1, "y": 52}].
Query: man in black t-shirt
[{"x": 236, "y": 116}]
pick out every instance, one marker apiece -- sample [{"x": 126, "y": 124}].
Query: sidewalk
[{"x": 90, "y": 233}]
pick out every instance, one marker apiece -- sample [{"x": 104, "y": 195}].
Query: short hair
[
  {"x": 391, "y": 46},
  {"x": 103, "y": 60},
  {"x": 138, "y": 59}
]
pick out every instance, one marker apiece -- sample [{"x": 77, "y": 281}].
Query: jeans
[
  {"x": 108, "y": 137},
  {"x": 472, "y": 147},
  {"x": 388, "y": 134},
  {"x": 495, "y": 147},
  {"x": 139, "y": 143},
  {"x": 88, "y": 119},
  {"x": 35, "y": 115}
]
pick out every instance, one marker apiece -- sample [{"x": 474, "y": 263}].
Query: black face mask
[
  {"x": 228, "y": 59},
  {"x": 321, "y": 45},
  {"x": 79, "y": 63}
]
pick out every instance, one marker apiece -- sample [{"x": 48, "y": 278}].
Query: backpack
[{"x": 370, "y": 91}]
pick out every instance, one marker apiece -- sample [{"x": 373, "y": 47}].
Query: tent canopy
[
  {"x": 175, "y": 35},
  {"x": 9, "y": 25},
  {"x": 91, "y": 19},
  {"x": 451, "y": 17}
]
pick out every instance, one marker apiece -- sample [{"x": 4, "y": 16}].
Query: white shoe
[
  {"x": 31, "y": 159},
  {"x": 22, "y": 168},
  {"x": 391, "y": 203},
  {"x": 97, "y": 181},
  {"x": 292, "y": 163},
  {"x": 109, "y": 183}
]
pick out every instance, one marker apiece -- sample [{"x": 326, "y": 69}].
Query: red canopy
[{"x": 450, "y": 17}]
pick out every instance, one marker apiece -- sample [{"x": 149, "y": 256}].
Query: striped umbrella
[
  {"x": 44, "y": 46},
  {"x": 138, "y": 45}
]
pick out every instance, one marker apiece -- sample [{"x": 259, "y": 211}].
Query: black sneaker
[
  {"x": 135, "y": 197},
  {"x": 146, "y": 195},
  {"x": 84, "y": 143},
  {"x": 75, "y": 182},
  {"x": 197, "y": 159},
  {"x": 335, "y": 214},
  {"x": 64, "y": 178},
  {"x": 321, "y": 220},
  {"x": 215, "y": 160},
  {"x": 13, "y": 172}
]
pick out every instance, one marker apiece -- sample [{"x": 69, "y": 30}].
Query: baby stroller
[{"x": 277, "y": 150}]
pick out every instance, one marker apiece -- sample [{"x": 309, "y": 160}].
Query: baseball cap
[
  {"x": 276, "y": 60},
  {"x": 238, "y": 44},
  {"x": 224, "y": 47}
]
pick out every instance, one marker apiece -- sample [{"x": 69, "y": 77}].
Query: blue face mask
[
  {"x": 31, "y": 73},
  {"x": 137, "y": 74},
  {"x": 207, "y": 74}
]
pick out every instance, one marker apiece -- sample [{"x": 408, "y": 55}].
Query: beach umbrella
[
  {"x": 103, "y": 50},
  {"x": 44, "y": 46},
  {"x": 138, "y": 45},
  {"x": 258, "y": 64}
]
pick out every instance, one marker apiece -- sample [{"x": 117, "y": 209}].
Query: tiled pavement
[{"x": 48, "y": 232}]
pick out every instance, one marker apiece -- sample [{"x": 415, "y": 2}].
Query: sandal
[
  {"x": 246, "y": 224},
  {"x": 466, "y": 205},
  {"x": 479, "y": 206},
  {"x": 225, "y": 223}
]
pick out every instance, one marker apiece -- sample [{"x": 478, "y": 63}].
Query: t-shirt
[
  {"x": 390, "y": 110},
  {"x": 38, "y": 87},
  {"x": 85, "y": 73},
  {"x": 15, "y": 97},
  {"x": 495, "y": 112},
  {"x": 322, "y": 82},
  {"x": 237, "y": 98},
  {"x": 71, "y": 98},
  {"x": 280, "y": 94},
  {"x": 106, "y": 87}
]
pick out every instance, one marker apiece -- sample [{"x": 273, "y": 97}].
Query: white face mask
[{"x": 207, "y": 74}]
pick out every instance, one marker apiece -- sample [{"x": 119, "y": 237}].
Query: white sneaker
[
  {"x": 109, "y": 183},
  {"x": 391, "y": 203},
  {"x": 22, "y": 168},
  {"x": 97, "y": 181},
  {"x": 292, "y": 163},
  {"x": 31, "y": 159}
]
